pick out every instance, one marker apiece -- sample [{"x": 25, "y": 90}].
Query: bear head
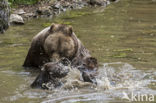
[{"x": 61, "y": 42}]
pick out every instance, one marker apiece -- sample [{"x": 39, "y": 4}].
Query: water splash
[
  {"x": 115, "y": 80},
  {"x": 121, "y": 76}
]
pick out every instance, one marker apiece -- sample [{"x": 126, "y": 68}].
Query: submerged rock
[
  {"x": 16, "y": 19},
  {"x": 4, "y": 16}
]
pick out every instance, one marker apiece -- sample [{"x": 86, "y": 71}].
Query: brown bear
[
  {"x": 53, "y": 43},
  {"x": 52, "y": 72}
]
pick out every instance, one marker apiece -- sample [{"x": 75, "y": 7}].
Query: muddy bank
[{"x": 52, "y": 8}]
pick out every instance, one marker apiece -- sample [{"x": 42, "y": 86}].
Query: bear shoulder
[{"x": 41, "y": 35}]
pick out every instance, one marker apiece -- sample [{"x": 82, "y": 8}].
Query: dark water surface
[{"x": 122, "y": 37}]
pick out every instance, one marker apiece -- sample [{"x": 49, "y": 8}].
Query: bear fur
[
  {"x": 53, "y": 43},
  {"x": 48, "y": 48}
]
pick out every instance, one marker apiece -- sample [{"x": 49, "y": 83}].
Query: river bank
[{"x": 51, "y": 8}]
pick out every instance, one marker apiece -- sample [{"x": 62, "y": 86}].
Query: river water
[{"x": 123, "y": 39}]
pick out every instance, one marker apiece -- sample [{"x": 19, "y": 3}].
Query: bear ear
[
  {"x": 52, "y": 27},
  {"x": 91, "y": 60},
  {"x": 70, "y": 30}
]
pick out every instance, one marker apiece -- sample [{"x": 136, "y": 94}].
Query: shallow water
[{"x": 123, "y": 39}]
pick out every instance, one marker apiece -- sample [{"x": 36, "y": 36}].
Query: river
[{"x": 121, "y": 36}]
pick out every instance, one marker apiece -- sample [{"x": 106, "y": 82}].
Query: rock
[
  {"x": 4, "y": 16},
  {"x": 16, "y": 19},
  {"x": 28, "y": 16},
  {"x": 57, "y": 5},
  {"x": 113, "y": 0},
  {"x": 57, "y": 8},
  {"x": 82, "y": 4},
  {"x": 19, "y": 12},
  {"x": 98, "y": 2},
  {"x": 44, "y": 11}
]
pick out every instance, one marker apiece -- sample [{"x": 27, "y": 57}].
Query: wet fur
[{"x": 41, "y": 50}]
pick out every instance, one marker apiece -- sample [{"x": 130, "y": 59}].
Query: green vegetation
[
  {"x": 46, "y": 24},
  {"x": 60, "y": 21},
  {"x": 122, "y": 50},
  {"x": 74, "y": 14},
  {"x": 120, "y": 55}
]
